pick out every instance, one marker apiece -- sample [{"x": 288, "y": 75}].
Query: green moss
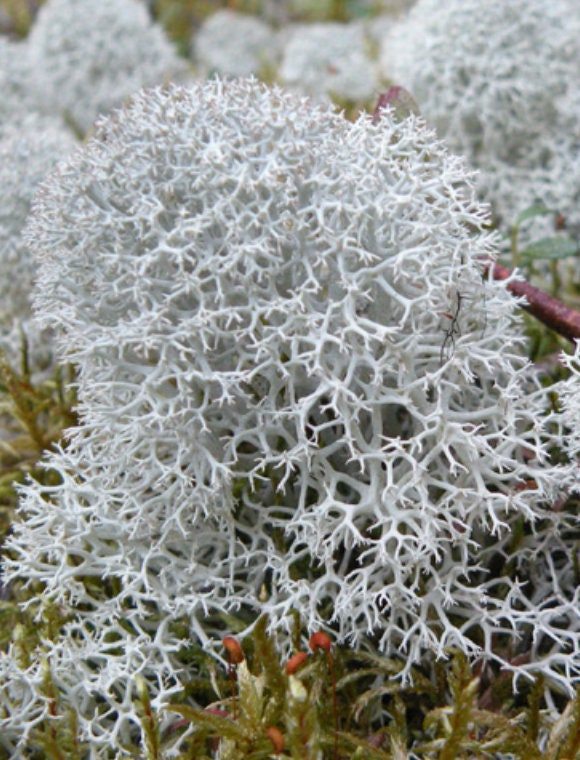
[{"x": 33, "y": 416}]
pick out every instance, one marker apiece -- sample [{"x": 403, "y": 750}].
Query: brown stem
[
  {"x": 401, "y": 102},
  {"x": 321, "y": 640},
  {"x": 235, "y": 655},
  {"x": 551, "y": 312}
]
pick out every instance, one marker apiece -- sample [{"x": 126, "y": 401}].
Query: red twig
[
  {"x": 235, "y": 656},
  {"x": 321, "y": 640},
  {"x": 399, "y": 99},
  {"x": 551, "y": 312}
]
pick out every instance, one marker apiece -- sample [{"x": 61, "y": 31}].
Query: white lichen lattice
[{"x": 297, "y": 392}]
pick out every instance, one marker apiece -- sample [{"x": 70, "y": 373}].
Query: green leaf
[
  {"x": 528, "y": 213},
  {"x": 551, "y": 248}
]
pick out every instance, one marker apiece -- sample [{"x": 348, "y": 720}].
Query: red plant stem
[
  {"x": 334, "y": 701},
  {"x": 235, "y": 655},
  {"x": 383, "y": 102},
  {"x": 232, "y": 675},
  {"x": 321, "y": 640},
  {"x": 551, "y": 312}
]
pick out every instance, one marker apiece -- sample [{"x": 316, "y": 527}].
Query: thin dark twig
[{"x": 547, "y": 309}]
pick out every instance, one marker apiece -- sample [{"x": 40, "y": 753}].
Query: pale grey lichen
[
  {"x": 30, "y": 146},
  {"x": 16, "y": 77},
  {"x": 28, "y": 150},
  {"x": 298, "y": 394},
  {"x": 501, "y": 86},
  {"x": 550, "y": 560},
  {"x": 90, "y": 55},
  {"x": 235, "y": 44},
  {"x": 569, "y": 412},
  {"x": 329, "y": 60}
]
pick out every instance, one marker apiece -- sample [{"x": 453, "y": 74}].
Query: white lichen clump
[
  {"x": 235, "y": 44},
  {"x": 91, "y": 55},
  {"x": 329, "y": 60},
  {"x": 16, "y": 78},
  {"x": 501, "y": 85},
  {"x": 29, "y": 149},
  {"x": 298, "y": 393}
]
